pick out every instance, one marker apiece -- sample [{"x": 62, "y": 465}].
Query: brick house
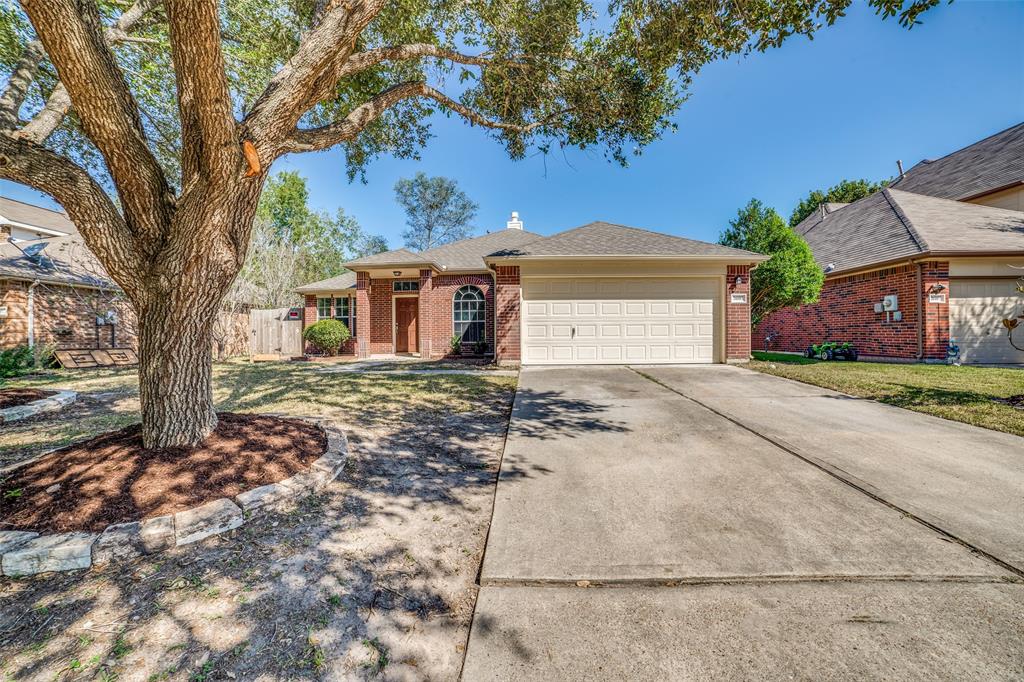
[
  {"x": 596, "y": 294},
  {"x": 54, "y": 293},
  {"x": 927, "y": 260}
]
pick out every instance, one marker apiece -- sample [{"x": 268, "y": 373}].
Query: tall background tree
[
  {"x": 845, "y": 192},
  {"x": 154, "y": 123},
  {"x": 790, "y": 277},
  {"x": 437, "y": 212},
  {"x": 321, "y": 242}
]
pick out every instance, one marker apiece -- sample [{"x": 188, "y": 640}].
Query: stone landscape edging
[
  {"x": 25, "y": 553},
  {"x": 48, "y": 404}
]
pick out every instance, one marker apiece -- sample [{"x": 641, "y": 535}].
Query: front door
[{"x": 406, "y": 335}]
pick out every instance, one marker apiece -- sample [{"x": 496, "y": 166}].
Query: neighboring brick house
[
  {"x": 53, "y": 292},
  {"x": 943, "y": 239},
  {"x": 596, "y": 294}
]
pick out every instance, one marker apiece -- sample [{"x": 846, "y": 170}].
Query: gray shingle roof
[
  {"x": 386, "y": 258},
  {"x": 346, "y": 280},
  {"x": 892, "y": 224},
  {"x": 37, "y": 216},
  {"x": 817, "y": 215},
  {"x": 985, "y": 166},
  {"x": 65, "y": 260},
  {"x": 468, "y": 254},
  {"x": 607, "y": 239}
]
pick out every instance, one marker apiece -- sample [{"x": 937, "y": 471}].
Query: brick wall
[
  {"x": 737, "y": 315},
  {"x": 64, "y": 317},
  {"x": 309, "y": 316},
  {"x": 507, "y": 305},
  {"x": 440, "y": 330},
  {"x": 363, "y": 308},
  {"x": 845, "y": 312}
]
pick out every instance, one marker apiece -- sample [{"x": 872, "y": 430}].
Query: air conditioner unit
[{"x": 891, "y": 303}]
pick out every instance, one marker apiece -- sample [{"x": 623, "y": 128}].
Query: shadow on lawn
[{"x": 377, "y": 572}]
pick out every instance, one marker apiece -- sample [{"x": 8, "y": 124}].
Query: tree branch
[
  {"x": 18, "y": 84},
  {"x": 88, "y": 206},
  {"x": 310, "y": 75},
  {"x": 361, "y": 61},
  {"x": 209, "y": 143},
  {"x": 58, "y": 104},
  {"x": 73, "y": 35},
  {"x": 312, "y": 139}
]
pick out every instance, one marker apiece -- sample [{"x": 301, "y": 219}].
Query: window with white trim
[
  {"x": 345, "y": 311},
  {"x": 323, "y": 308},
  {"x": 399, "y": 287},
  {"x": 468, "y": 314}
]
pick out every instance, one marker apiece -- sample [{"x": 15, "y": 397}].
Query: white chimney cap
[{"x": 514, "y": 222}]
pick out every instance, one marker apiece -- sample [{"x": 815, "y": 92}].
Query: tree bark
[{"x": 175, "y": 355}]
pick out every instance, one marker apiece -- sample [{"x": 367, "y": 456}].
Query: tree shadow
[{"x": 374, "y": 577}]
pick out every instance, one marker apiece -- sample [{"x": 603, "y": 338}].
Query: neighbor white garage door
[
  {"x": 619, "y": 320},
  {"x": 976, "y": 311}
]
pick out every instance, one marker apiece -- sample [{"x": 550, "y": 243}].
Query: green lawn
[
  {"x": 109, "y": 398},
  {"x": 964, "y": 394}
]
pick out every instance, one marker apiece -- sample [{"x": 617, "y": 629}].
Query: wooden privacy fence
[{"x": 277, "y": 331}]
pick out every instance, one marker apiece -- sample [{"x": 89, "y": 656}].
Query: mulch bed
[
  {"x": 12, "y": 397},
  {"x": 113, "y": 479}
]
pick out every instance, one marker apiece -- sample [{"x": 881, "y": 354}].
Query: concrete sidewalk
[{"x": 639, "y": 535}]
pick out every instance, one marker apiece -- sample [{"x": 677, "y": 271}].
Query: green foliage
[
  {"x": 790, "y": 277},
  {"x": 327, "y": 335},
  {"x": 570, "y": 72},
  {"x": 436, "y": 211},
  {"x": 480, "y": 347},
  {"x": 455, "y": 344},
  {"x": 15, "y": 361},
  {"x": 322, "y": 241},
  {"x": 846, "y": 192}
]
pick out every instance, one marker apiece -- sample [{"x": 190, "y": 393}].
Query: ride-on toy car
[{"x": 832, "y": 350}]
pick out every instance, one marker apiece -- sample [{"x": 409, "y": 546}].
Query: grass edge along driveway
[{"x": 965, "y": 394}]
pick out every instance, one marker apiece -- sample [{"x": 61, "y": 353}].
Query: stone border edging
[
  {"x": 25, "y": 553},
  {"x": 48, "y": 404}
]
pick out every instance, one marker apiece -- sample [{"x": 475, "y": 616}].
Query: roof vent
[
  {"x": 514, "y": 223},
  {"x": 899, "y": 167}
]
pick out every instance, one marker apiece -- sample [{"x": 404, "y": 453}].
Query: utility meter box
[
  {"x": 879, "y": 308},
  {"x": 891, "y": 303}
]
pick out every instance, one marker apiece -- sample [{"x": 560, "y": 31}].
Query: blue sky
[{"x": 862, "y": 94}]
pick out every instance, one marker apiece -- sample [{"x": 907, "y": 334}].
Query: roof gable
[
  {"x": 469, "y": 254},
  {"x": 36, "y": 216}
]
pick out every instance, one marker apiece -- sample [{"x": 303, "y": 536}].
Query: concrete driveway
[{"x": 711, "y": 522}]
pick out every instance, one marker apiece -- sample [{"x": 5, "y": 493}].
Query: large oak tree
[{"x": 154, "y": 122}]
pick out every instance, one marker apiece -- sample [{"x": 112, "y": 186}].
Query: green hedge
[{"x": 327, "y": 336}]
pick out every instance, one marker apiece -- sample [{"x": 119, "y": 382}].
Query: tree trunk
[{"x": 175, "y": 354}]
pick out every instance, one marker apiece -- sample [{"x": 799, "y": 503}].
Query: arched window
[{"x": 468, "y": 314}]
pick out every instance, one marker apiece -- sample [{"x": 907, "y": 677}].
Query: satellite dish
[{"x": 33, "y": 250}]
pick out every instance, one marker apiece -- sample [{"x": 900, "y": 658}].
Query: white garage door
[
  {"x": 619, "y": 320},
  {"x": 976, "y": 311}
]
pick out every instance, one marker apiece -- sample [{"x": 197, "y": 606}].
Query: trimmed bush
[{"x": 327, "y": 336}]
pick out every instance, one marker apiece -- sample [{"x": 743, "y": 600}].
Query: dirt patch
[
  {"x": 113, "y": 479},
  {"x": 12, "y": 397},
  {"x": 1015, "y": 401}
]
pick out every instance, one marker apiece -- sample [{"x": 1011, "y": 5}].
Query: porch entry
[{"x": 406, "y": 318}]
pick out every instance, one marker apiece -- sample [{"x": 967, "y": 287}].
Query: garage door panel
[
  {"x": 976, "y": 311},
  {"x": 605, "y": 320}
]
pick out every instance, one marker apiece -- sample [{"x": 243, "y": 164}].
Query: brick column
[
  {"x": 425, "y": 323},
  {"x": 936, "y": 315},
  {"x": 308, "y": 314},
  {"x": 363, "y": 318},
  {"x": 507, "y": 309},
  {"x": 737, "y": 315}
]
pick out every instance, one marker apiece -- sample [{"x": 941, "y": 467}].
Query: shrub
[
  {"x": 327, "y": 336},
  {"x": 456, "y": 344},
  {"x": 480, "y": 347},
  {"x": 15, "y": 361}
]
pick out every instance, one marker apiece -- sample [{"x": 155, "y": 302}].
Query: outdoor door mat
[{"x": 105, "y": 357}]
